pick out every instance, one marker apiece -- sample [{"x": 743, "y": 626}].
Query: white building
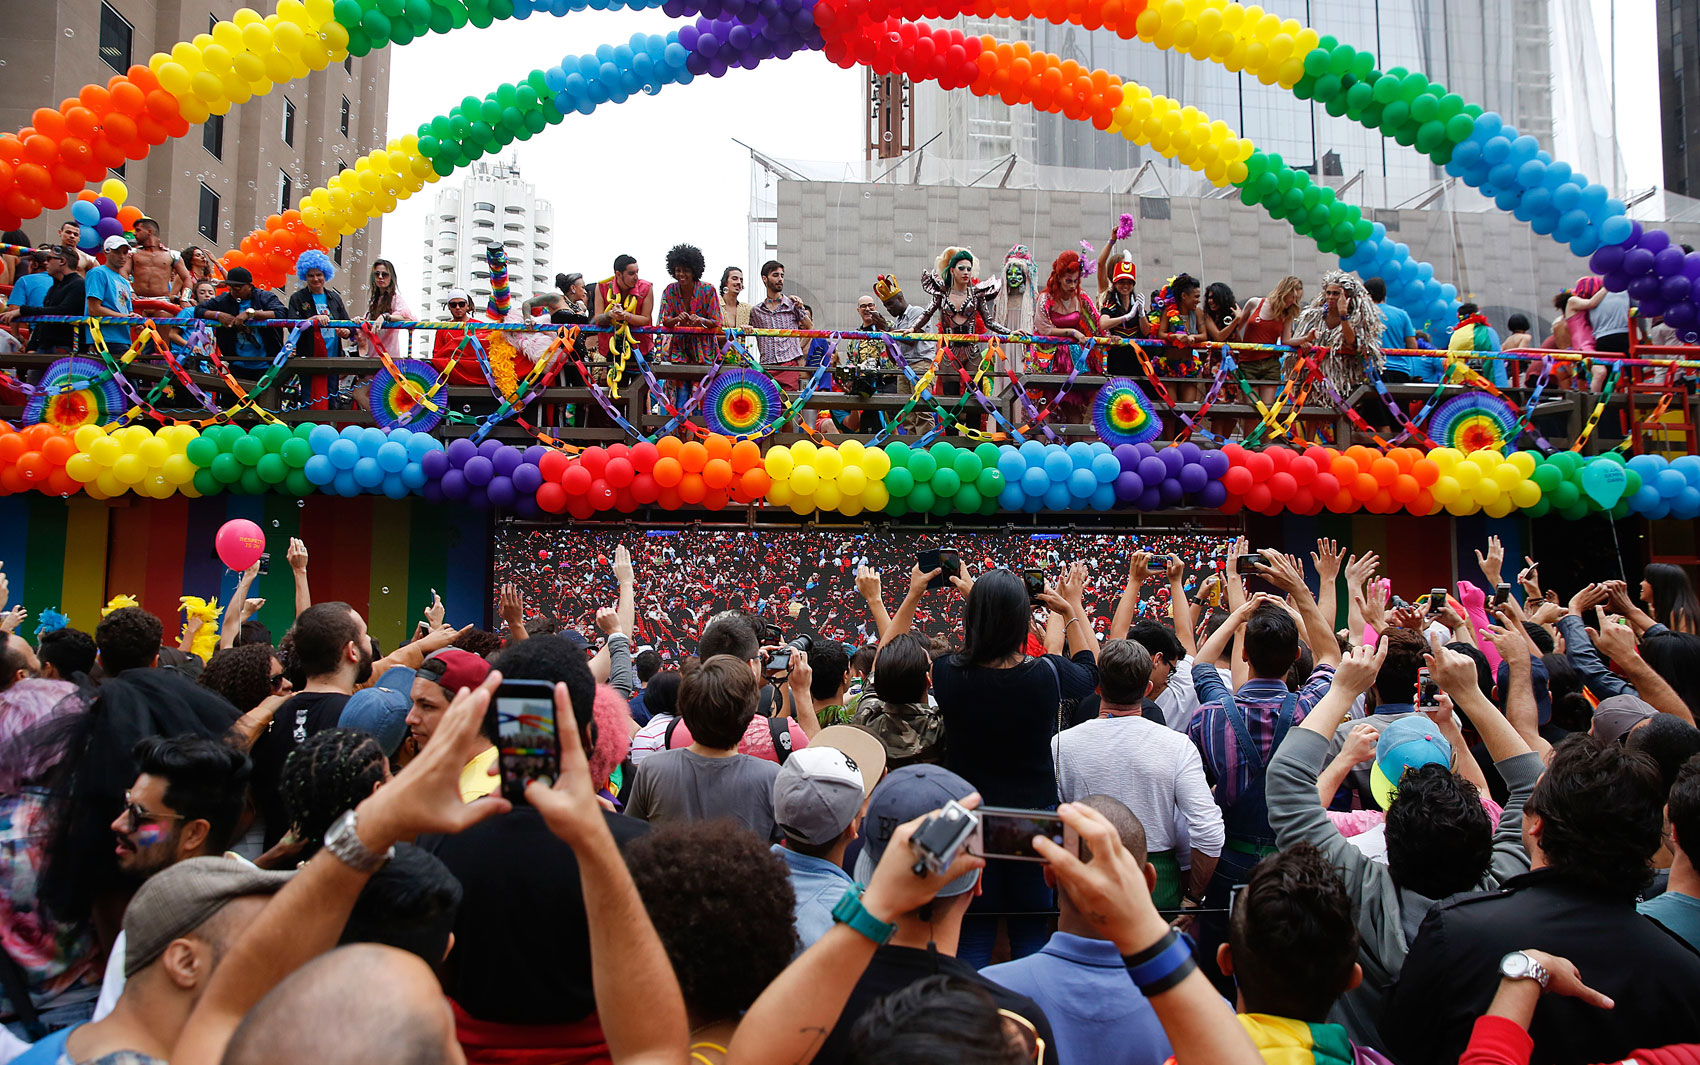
[{"x": 492, "y": 204}]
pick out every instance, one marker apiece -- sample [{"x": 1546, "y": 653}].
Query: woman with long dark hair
[
  {"x": 386, "y": 304},
  {"x": 1002, "y": 697},
  {"x": 1667, "y": 590}
]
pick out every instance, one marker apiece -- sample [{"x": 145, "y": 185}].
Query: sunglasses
[
  {"x": 1023, "y": 1028},
  {"x": 277, "y": 681},
  {"x": 135, "y": 816},
  {"x": 457, "y": 303}
]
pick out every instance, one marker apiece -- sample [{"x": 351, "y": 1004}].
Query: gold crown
[{"x": 885, "y": 287}]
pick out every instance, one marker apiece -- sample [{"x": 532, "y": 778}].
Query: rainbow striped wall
[{"x": 382, "y": 556}]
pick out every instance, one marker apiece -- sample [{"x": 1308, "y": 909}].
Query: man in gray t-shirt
[{"x": 709, "y": 779}]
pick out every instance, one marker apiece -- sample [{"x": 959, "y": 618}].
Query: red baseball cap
[{"x": 455, "y": 669}]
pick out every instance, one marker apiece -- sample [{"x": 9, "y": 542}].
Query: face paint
[
  {"x": 148, "y": 835},
  {"x": 1015, "y": 277}
]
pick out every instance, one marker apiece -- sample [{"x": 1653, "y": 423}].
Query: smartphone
[
  {"x": 1008, "y": 834},
  {"x": 521, "y": 723},
  {"x": 1501, "y": 592},
  {"x": 1428, "y": 692},
  {"x": 265, "y": 563},
  {"x": 1436, "y": 601},
  {"x": 1250, "y": 558},
  {"x": 1035, "y": 581},
  {"x": 943, "y": 559}
]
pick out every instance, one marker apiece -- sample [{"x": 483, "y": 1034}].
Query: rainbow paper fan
[
  {"x": 393, "y": 406},
  {"x": 1123, "y": 414},
  {"x": 1474, "y": 421},
  {"x": 95, "y": 403},
  {"x": 741, "y": 403}
]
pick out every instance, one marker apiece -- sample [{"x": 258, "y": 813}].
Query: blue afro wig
[{"x": 315, "y": 260}]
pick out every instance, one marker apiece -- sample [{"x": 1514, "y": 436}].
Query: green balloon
[
  {"x": 989, "y": 505},
  {"x": 1267, "y": 185},
  {"x": 1363, "y": 64},
  {"x": 990, "y": 482},
  {"x": 1413, "y": 86},
  {"x": 1327, "y": 87},
  {"x": 967, "y": 499},
  {"x": 1340, "y": 59},
  {"x": 1574, "y": 513},
  {"x": 1451, "y": 104},
  {"x": 1337, "y": 106},
  {"x": 923, "y": 466},
  {"x": 1293, "y": 200},
  {"x": 392, "y": 8},
  {"x": 967, "y": 466},
  {"x": 1430, "y": 135},
  {"x": 1406, "y": 134},
  {"x": 1632, "y": 484},
  {"x": 507, "y": 94},
  {"x": 526, "y": 98},
  {"x": 1539, "y": 510},
  {"x": 944, "y": 483},
  {"x": 1459, "y": 128},
  {"x": 1565, "y": 495},
  {"x": 896, "y": 507},
  {"x": 304, "y": 430},
  {"x": 1612, "y": 456},
  {"x": 1386, "y": 89},
  {"x": 1318, "y": 216},
  {"x": 248, "y": 450},
  {"x": 202, "y": 451},
  {"x": 1248, "y": 195},
  {"x": 1395, "y": 114},
  {"x": 1568, "y": 462},
  {"x": 207, "y": 484},
  {"x": 227, "y": 469},
  {"x": 944, "y": 454},
  {"x": 1362, "y": 228},
  {"x": 921, "y": 497},
  {"x": 296, "y": 452},
  {"x": 441, "y": 20},
  {"x": 987, "y": 453},
  {"x": 250, "y": 484},
  {"x": 376, "y": 26},
  {"x": 502, "y": 8},
  {"x": 297, "y": 483},
  {"x": 898, "y": 453},
  {"x": 1316, "y": 62},
  {"x": 942, "y": 506},
  {"x": 347, "y": 12},
  {"x": 490, "y": 110},
  {"x": 1343, "y": 236},
  {"x": 1425, "y": 108},
  {"x": 899, "y": 482},
  {"x": 272, "y": 469},
  {"x": 1360, "y": 96}
]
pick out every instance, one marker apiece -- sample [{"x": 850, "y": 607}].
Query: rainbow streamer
[
  {"x": 500, "y": 300},
  {"x": 1123, "y": 414},
  {"x": 393, "y": 406},
  {"x": 741, "y": 403},
  {"x": 70, "y": 410},
  {"x": 1474, "y": 421}
]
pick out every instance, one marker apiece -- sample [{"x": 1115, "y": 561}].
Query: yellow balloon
[
  {"x": 257, "y": 36},
  {"x": 335, "y": 35},
  {"x": 216, "y": 58},
  {"x": 1486, "y": 491},
  {"x": 828, "y": 462},
  {"x": 104, "y": 451},
  {"x": 1506, "y": 475},
  {"x": 83, "y": 436},
  {"x": 1486, "y": 459},
  {"x": 827, "y": 496},
  {"x": 129, "y": 469},
  {"x": 248, "y": 66},
  {"x": 154, "y": 452},
  {"x": 804, "y": 480},
  {"x": 1524, "y": 493},
  {"x": 178, "y": 469},
  {"x": 109, "y": 484},
  {"x": 174, "y": 78},
  {"x": 278, "y": 68},
  {"x": 875, "y": 463},
  {"x": 228, "y": 35},
  {"x": 82, "y": 468},
  {"x": 1445, "y": 489},
  {"x": 1499, "y": 508},
  {"x": 852, "y": 480},
  {"x": 235, "y": 89},
  {"x": 1524, "y": 461},
  {"x": 803, "y": 451},
  {"x": 779, "y": 493},
  {"x": 1467, "y": 474},
  {"x": 207, "y": 87},
  {"x": 850, "y": 506},
  {"x": 875, "y": 496},
  {"x": 321, "y": 11},
  {"x": 802, "y": 505},
  {"x": 779, "y": 462},
  {"x": 1462, "y": 507},
  {"x": 188, "y": 55},
  {"x": 245, "y": 16}
]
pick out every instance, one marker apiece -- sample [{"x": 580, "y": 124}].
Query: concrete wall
[
  {"x": 835, "y": 237},
  {"x": 50, "y": 50}
]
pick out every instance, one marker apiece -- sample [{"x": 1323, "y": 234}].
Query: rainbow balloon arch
[{"x": 88, "y": 437}]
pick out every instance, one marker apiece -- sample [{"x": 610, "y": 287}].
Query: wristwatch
[
  {"x": 344, "y": 842},
  {"x": 850, "y": 911},
  {"x": 1521, "y": 966}
]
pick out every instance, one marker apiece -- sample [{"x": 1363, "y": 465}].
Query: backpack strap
[
  {"x": 779, "y": 728},
  {"x": 667, "y": 737}
]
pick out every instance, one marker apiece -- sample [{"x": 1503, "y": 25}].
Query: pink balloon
[{"x": 240, "y": 543}]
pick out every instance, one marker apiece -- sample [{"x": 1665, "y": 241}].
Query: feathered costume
[
  {"x": 974, "y": 313},
  {"x": 1345, "y": 371}
]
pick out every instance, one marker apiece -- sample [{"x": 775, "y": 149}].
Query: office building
[{"x": 1679, "y": 94}]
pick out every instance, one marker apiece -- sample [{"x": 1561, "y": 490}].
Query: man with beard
[
  {"x": 332, "y": 648},
  {"x": 434, "y": 686},
  {"x": 185, "y": 803}
]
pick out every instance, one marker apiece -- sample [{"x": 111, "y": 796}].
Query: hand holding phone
[
  {"x": 943, "y": 559},
  {"x": 1436, "y": 601},
  {"x": 1007, "y": 834},
  {"x": 521, "y": 722},
  {"x": 1428, "y": 692}
]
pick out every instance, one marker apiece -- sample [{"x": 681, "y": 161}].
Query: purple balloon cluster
[
  {"x": 99, "y": 219},
  {"x": 1183, "y": 475},
  {"x": 742, "y": 33},
  {"x": 490, "y": 474},
  {"x": 1657, "y": 273}
]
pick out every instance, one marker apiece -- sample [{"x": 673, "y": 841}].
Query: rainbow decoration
[
  {"x": 74, "y": 392},
  {"x": 393, "y": 403},
  {"x": 741, "y": 403},
  {"x": 1122, "y": 413},
  {"x": 500, "y": 300},
  {"x": 1474, "y": 421}
]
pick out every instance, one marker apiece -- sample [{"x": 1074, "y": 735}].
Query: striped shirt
[{"x": 1259, "y": 702}]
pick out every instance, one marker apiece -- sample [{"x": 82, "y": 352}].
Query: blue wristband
[{"x": 1171, "y": 958}]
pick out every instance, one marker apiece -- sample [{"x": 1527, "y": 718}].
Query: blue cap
[
  {"x": 382, "y": 708},
  {"x": 1405, "y": 744},
  {"x": 905, "y": 794}
]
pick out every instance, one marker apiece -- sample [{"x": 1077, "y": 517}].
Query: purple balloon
[
  {"x": 1607, "y": 259},
  {"x": 1652, "y": 307},
  {"x": 1668, "y": 261},
  {"x": 1128, "y": 456},
  {"x": 435, "y": 464},
  {"x": 534, "y": 454},
  {"x": 1152, "y": 469},
  {"x": 107, "y": 206},
  {"x": 432, "y": 492},
  {"x": 108, "y": 227},
  {"x": 1615, "y": 282},
  {"x": 491, "y": 448},
  {"x": 1189, "y": 452},
  {"x": 1215, "y": 464},
  {"x": 526, "y": 507},
  {"x": 1172, "y": 460},
  {"x": 527, "y": 478},
  {"x": 506, "y": 460},
  {"x": 501, "y": 492},
  {"x": 1691, "y": 266},
  {"x": 1672, "y": 290},
  {"x": 1128, "y": 487},
  {"x": 1654, "y": 240},
  {"x": 1682, "y": 316},
  {"x": 1171, "y": 492},
  {"x": 1145, "y": 450},
  {"x": 1150, "y": 499},
  {"x": 453, "y": 485},
  {"x": 1643, "y": 287},
  {"x": 476, "y": 495},
  {"x": 1637, "y": 261},
  {"x": 479, "y": 470},
  {"x": 1193, "y": 478},
  {"x": 1214, "y": 495},
  {"x": 460, "y": 450}
]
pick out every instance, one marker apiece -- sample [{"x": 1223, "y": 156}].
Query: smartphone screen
[
  {"x": 1436, "y": 601},
  {"x": 265, "y": 563},
  {"x": 1035, "y": 581},
  {"x": 1008, "y": 834},
  {"x": 944, "y": 559},
  {"x": 522, "y": 724},
  {"x": 1428, "y": 692}
]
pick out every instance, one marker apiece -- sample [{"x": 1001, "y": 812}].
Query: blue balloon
[
  {"x": 1689, "y": 465},
  {"x": 1671, "y": 482},
  {"x": 1193, "y": 478},
  {"x": 1103, "y": 497},
  {"x": 1496, "y": 150},
  {"x": 419, "y": 445},
  {"x": 1524, "y": 148},
  {"x": 1057, "y": 496},
  {"x": 344, "y": 453},
  {"x": 1645, "y": 499},
  {"x": 1531, "y": 173},
  {"x": 1082, "y": 483},
  {"x": 85, "y": 212},
  {"x": 371, "y": 439},
  {"x": 1615, "y": 230},
  {"x": 392, "y": 456},
  {"x": 1033, "y": 450},
  {"x": 413, "y": 475},
  {"x": 1012, "y": 497},
  {"x": 1105, "y": 468},
  {"x": 395, "y": 488},
  {"x": 1058, "y": 465},
  {"x": 1035, "y": 481},
  {"x": 321, "y": 438},
  {"x": 1686, "y": 506},
  {"x": 555, "y": 78},
  {"x": 1011, "y": 463},
  {"x": 352, "y": 432},
  {"x": 367, "y": 473},
  {"x": 319, "y": 470},
  {"x": 1585, "y": 244},
  {"x": 573, "y": 84},
  {"x": 674, "y": 56},
  {"x": 345, "y": 484},
  {"x": 1594, "y": 196}
]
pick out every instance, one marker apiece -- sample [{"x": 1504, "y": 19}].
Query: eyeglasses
[
  {"x": 277, "y": 681},
  {"x": 1023, "y": 1029},
  {"x": 136, "y": 816},
  {"x": 457, "y": 303}
]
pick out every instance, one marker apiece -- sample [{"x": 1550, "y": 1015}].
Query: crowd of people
[
  {"x": 1445, "y": 828},
  {"x": 1348, "y": 319}
]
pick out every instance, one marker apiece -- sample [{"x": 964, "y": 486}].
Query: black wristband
[
  {"x": 1157, "y": 987},
  {"x": 1130, "y": 960}
]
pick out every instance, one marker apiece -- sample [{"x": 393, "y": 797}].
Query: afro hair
[
  {"x": 688, "y": 256},
  {"x": 315, "y": 260}
]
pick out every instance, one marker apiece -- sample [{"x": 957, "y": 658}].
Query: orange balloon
[
  {"x": 1364, "y": 488},
  {"x": 746, "y": 456},
  {"x": 33, "y": 466},
  {"x": 693, "y": 456},
  {"x": 88, "y": 194},
  {"x": 692, "y": 489},
  {"x": 37, "y": 434},
  {"x": 668, "y": 499},
  {"x": 1426, "y": 471},
  {"x": 1405, "y": 488},
  {"x": 1404, "y": 458},
  {"x": 717, "y": 473},
  {"x": 60, "y": 483},
  {"x": 128, "y": 216},
  {"x": 755, "y": 483},
  {"x": 668, "y": 472},
  {"x": 58, "y": 449},
  {"x": 1344, "y": 469},
  {"x": 1384, "y": 470},
  {"x": 717, "y": 446},
  {"x": 668, "y": 447}
]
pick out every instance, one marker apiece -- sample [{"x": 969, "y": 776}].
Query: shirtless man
[
  {"x": 77, "y": 259},
  {"x": 156, "y": 271}
]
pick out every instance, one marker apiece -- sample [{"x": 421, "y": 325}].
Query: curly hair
[
  {"x": 315, "y": 260},
  {"x": 1602, "y": 814},
  {"x": 1439, "y": 837},
  {"x": 688, "y": 256},
  {"x": 1064, "y": 264},
  {"x": 128, "y": 638},
  {"x": 1292, "y": 936},
  {"x": 723, "y": 906},
  {"x": 329, "y": 773},
  {"x": 481, "y": 642},
  {"x": 241, "y": 674},
  {"x": 936, "y": 1018}
]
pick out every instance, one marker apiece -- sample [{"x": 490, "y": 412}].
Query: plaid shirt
[
  {"x": 1259, "y": 702},
  {"x": 788, "y": 315}
]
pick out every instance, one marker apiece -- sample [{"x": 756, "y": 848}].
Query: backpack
[{"x": 779, "y": 728}]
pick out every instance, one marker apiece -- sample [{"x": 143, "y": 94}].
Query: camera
[
  {"x": 1035, "y": 581},
  {"x": 779, "y": 659},
  {"x": 941, "y": 837},
  {"x": 943, "y": 559},
  {"x": 265, "y": 563}
]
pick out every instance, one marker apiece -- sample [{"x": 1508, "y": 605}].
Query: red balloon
[
  {"x": 60, "y": 483},
  {"x": 643, "y": 456},
  {"x": 601, "y": 496},
  {"x": 1238, "y": 480},
  {"x": 1326, "y": 486},
  {"x": 1303, "y": 502},
  {"x": 1236, "y": 454},
  {"x": 576, "y": 481},
  {"x": 552, "y": 465},
  {"x": 644, "y": 489},
  {"x": 13, "y": 481},
  {"x": 1342, "y": 503},
  {"x": 580, "y": 508},
  {"x": 1282, "y": 486},
  {"x": 594, "y": 459},
  {"x": 1259, "y": 497},
  {"x": 1319, "y": 455},
  {"x": 1260, "y": 465},
  {"x": 624, "y": 502},
  {"x": 1303, "y": 469},
  {"x": 1281, "y": 457},
  {"x": 551, "y": 497},
  {"x": 619, "y": 471},
  {"x": 716, "y": 499},
  {"x": 618, "y": 451}
]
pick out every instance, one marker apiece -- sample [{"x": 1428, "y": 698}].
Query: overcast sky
[{"x": 641, "y": 176}]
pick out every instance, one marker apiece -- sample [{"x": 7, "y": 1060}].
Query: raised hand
[
  {"x": 1357, "y": 670},
  {"x": 868, "y": 582},
  {"x": 1491, "y": 563},
  {"x": 297, "y": 554},
  {"x": 569, "y": 806},
  {"x": 1360, "y": 743},
  {"x": 1326, "y": 558},
  {"x": 623, "y": 565},
  {"x": 434, "y": 613},
  {"x": 1614, "y": 639}
]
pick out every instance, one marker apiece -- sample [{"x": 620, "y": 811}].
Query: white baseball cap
[
  {"x": 114, "y": 242},
  {"x": 816, "y": 795},
  {"x": 457, "y": 294}
]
